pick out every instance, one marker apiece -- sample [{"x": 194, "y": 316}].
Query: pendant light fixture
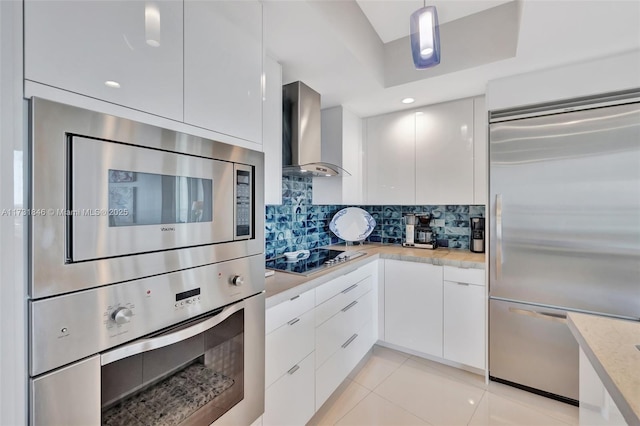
[{"x": 425, "y": 37}]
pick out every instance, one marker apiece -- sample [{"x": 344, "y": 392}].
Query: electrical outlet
[{"x": 438, "y": 222}]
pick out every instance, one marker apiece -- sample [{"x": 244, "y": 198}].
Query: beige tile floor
[{"x": 392, "y": 388}]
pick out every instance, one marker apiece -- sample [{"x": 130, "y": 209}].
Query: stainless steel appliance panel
[
  {"x": 70, "y": 327},
  {"x": 137, "y": 213},
  {"x": 252, "y": 406},
  {"x": 532, "y": 346},
  {"x": 52, "y": 124},
  {"x": 565, "y": 210},
  {"x": 69, "y": 396}
]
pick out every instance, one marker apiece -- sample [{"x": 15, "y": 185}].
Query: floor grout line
[
  {"x": 458, "y": 379},
  {"x": 477, "y": 406}
]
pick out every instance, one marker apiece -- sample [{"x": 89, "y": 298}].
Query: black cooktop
[{"x": 318, "y": 260}]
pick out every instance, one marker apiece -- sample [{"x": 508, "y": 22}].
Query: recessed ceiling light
[
  {"x": 408, "y": 100},
  {"x": 112, "y": 84},
  {"x": 419, "y": 112}
]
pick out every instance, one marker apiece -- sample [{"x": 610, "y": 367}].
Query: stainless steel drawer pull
[
  {"x": 467, "y": 284},
  {"x": 170, "y": 337},
  {"x": 293, "y": 321},
  {"x": 349, "y": 306},
  {"x": 348, "y": 342},
  {"x": 541, "y": 315},
  {"x": 294, "y": 369},
  {"x": 294, "y": 297},
  {"x": 348, "y": 289},
  {"x": 498, "y": 236}
]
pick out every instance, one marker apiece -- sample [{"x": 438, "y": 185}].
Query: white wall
[
  {"x": 613, "y": 73},
  {"x": 13, "y": 320}
]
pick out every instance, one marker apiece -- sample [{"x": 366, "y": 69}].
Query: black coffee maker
[{"x": 476, "y": 244}]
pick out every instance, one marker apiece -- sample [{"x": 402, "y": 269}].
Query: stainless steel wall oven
[{"x": 146, "y": 274}]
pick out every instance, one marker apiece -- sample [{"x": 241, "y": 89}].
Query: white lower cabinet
[
  {"x": 436, "y": 310},
  {"x": 313, "y": 342},
  {"x": 345, "y": 318},
  {"x": 288, "y": 345},
  {"x": 337, "y": 330},
  {"x": 289, "y": 361},
  {"x": 290, "y": 400},
  {"x": 464, "y": 316},
  {"x": 413, "y": 306},
  {"x": 339, "y": 365},
  {"x": 596, "y": 405}
]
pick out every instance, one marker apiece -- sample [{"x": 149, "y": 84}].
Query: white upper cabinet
[
  {"x": 480, "y": 151},
  {"x": 272, "y": 131},
  {"x": 390, "y": 158},
  {"x": 223, "y": 67},
  {"x": 444, "y": 153},
  {"x": 125, "y": 52},
  {"x": 341, "y": 145}
]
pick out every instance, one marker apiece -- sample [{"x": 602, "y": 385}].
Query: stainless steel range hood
[{"x": 301, "y": 140}]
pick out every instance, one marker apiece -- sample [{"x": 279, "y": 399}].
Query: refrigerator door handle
[
  {"x": 541, "y": 315},
  {"x": 498, "y": 236}
]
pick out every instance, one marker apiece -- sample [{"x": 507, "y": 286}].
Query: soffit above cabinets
[
  {"x": 355, "y": 53},
  {"x": 390, "y": 18}
]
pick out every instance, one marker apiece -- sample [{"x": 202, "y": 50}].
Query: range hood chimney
[{"x": 301, "y": 141}]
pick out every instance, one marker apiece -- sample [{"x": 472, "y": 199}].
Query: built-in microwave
[{"x": 121, "y": 200}]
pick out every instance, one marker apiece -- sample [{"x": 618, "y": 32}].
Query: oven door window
[
  {"x": 191, "y": 382},
  {"x": 126, "y": 199}
]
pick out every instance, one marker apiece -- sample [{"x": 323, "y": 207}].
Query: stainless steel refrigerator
[{"x": 564, "y": 232}]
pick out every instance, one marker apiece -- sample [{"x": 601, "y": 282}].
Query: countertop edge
[
  {"x": 630, "y": 416},
  {"x": 311, "y": 282}
]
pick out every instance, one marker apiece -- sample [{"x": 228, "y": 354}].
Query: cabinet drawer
[
  {"x": 280, "y": 314},
  {"x": 342, "y": 299},
  {"x": 291, "y": 399},
  {"x": 339, "y": 365},
  {"x": 335, "y": 331},
  {"x": 287, "y": 345},
  {"x": 462, "y": 275},
  {"x": 464, "y": 323},
  {"x": 333, "y": 287}
]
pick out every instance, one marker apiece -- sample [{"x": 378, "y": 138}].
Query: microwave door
[{"x": 127, "y": 200}]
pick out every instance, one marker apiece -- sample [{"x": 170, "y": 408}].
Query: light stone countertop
[
  {"x": 610, "y": 346},
  {"x": 282, "y": 286}
]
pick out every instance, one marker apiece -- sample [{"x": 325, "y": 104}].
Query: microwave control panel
[{"x": 243, "y": 201}]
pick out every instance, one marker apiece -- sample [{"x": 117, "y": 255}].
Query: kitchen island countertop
[
  {"x": 282, "y": 286},
  {"x": 610, "y": 346}
]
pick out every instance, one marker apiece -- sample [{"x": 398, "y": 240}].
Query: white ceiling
[
  {"x": 390, "y": 19},
  {"x": 333, "y": 47}
]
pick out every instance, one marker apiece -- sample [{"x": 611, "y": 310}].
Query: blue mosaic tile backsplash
[{"x": 298, "y": 224}]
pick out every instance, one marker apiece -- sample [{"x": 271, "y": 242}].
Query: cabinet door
[
  {"x": 413, "y": 306},
  {"x": 125, "y": 52},
  {"x": 287, "y": 345},
  {"x": 272, "y": 131},
  {"x": 444, "y": 153},
  {"x": 596, "y": 405},
  {"x": 291, "y": 400},
  {"x": 464, "y": 318},
  {"x": 223, "y": 67},
  {"x": 390, "y": 158}
]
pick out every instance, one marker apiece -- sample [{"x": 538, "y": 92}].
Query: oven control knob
[
  {"x": 121, "y": 315},
  {"x": 237, "y": 280}
]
